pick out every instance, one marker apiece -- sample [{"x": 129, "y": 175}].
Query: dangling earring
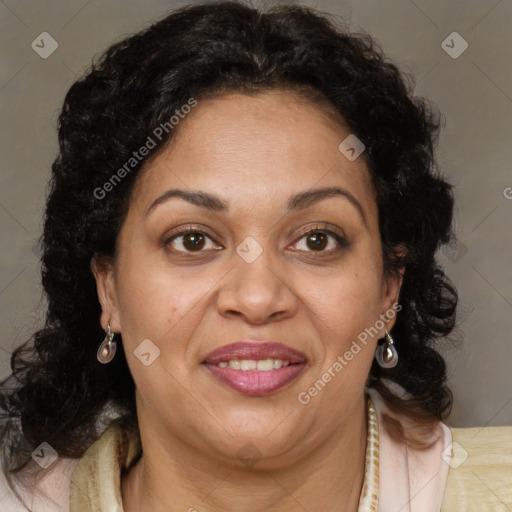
[
  {"x": 386, "y": 354},
  {"x": 107, "y": 349}
]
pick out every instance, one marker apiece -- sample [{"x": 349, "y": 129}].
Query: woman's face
[{"x": 250, "y": 274}]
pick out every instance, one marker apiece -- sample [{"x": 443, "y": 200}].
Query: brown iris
[
  {"x": 193, "y": 241},
  {"x": 319, "y": 241}
]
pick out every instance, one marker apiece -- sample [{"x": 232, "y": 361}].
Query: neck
[{"x": 173, "y": 476}]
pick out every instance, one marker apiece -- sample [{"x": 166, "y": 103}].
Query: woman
[{"x": 243, "y": 297}]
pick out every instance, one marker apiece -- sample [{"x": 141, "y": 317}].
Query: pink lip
[
  {"x": 252, "y": 382},
  {"x": 256, "y": 383}
]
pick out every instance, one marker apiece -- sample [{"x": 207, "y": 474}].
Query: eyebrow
[{"x": 296, "y": 202}]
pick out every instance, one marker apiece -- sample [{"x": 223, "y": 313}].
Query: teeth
[
  {"x": 248, "y": 364},
  {"x": 261, "y": 365},
  {"x": 265, "y": 365}
]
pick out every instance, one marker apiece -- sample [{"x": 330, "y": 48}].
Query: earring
[
  {"x": 386, "y": 354},
  {"x": 107, "y": 349}
]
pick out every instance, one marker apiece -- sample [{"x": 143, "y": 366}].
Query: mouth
[{"x": 255, "y": 368}]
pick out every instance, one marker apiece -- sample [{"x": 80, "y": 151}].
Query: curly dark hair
[{"x": 58, "y": 391}]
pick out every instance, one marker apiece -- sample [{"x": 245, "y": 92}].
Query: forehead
[{"x": 255, "y": 147}]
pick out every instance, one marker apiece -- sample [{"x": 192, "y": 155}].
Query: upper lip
[{"x": 255, "y": 350}]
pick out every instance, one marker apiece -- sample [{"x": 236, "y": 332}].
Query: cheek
[
  {"x": 348, "y": 304},
  {"x": 157, "y": 303},
  {"x": 147, "y": 297},
  {"x": 347, "y": 313},
  {"x": 150, "y": 304}
]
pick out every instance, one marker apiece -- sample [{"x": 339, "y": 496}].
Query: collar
[{"x": 411, "y": 480}]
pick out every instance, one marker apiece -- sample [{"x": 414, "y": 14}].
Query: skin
[{"x": 253, "y": 152}]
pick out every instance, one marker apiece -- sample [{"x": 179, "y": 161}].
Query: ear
[
  {"x": 391, "y": 286},
  {"x": 105, "y": 286}
]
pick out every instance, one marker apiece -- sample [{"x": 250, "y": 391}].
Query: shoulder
[
  {"x": 50, "y": 488},
  {"x": 467, "y": 469},
  {"x": 480, "y": 475}
]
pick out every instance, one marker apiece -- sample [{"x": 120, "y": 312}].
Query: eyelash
[{"x": 342, "y": 242}]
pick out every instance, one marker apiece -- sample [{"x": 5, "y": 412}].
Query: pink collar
[{"x": 410, "y": 480}]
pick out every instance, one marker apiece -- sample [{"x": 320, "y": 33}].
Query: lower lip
[{"x": 256, "y": 383}]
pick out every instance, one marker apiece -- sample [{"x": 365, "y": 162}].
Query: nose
[{"x": 257, "y": 290}]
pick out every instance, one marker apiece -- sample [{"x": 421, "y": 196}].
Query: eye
[
  {"x": 189, "y": 240},
  {"x": 317, "y": 239}
]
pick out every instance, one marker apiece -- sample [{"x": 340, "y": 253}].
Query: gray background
[{"x": 474, "y": 92}]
